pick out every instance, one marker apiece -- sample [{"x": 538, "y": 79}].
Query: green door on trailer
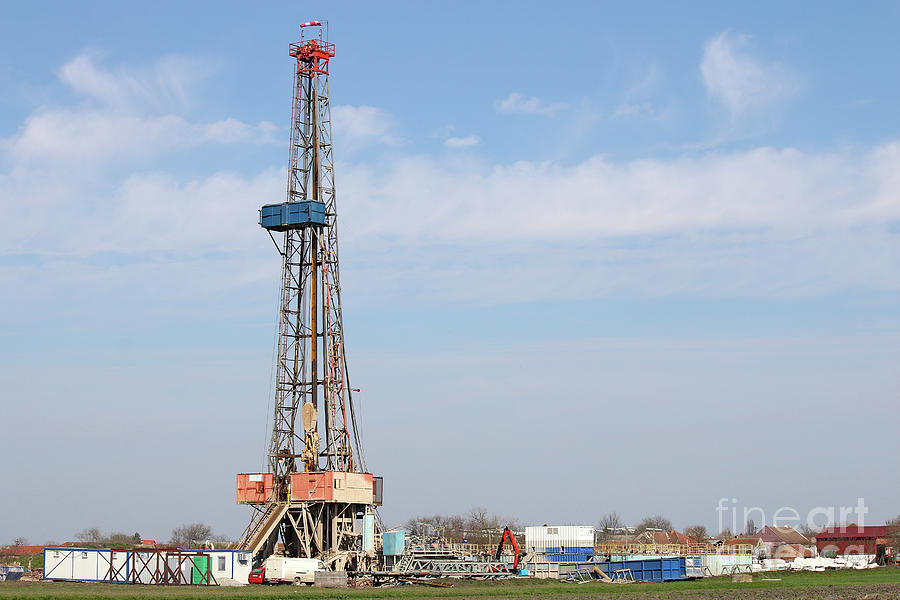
[{"x": 200, "y": 572}]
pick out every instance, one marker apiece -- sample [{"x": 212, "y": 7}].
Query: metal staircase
[{"x": 262, "y": 526}]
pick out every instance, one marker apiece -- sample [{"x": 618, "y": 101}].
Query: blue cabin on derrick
[{"x": 291, "y": 215}]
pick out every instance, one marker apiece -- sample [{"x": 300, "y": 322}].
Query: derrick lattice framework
[{"x": 317, "y": 496}]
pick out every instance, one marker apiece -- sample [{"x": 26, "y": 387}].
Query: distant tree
[
  {"x": 484, "y": 526},
  {"x": 893, "y": 533},
  {"x": 136, "y": 538},
  {"x": 608, "y": 524},
  {"x": 426, "y": 525},
  {"x": 455, "y": 528},
  {"x": 809, "y": 532},
  {"x": 478, "y": 526},
  {"x": 696, "y": 532},
  {"x": 726, "y": 534},
  {"x": 750, "y": 528},
  {"x": 191, "y": 534},
  {"x": 20, "y": 541},
  {"x": 654, "y": 522},
  {"x": 91, "y": 535}
]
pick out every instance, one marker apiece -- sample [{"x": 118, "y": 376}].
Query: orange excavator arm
[{"x": 512, "y": 539}]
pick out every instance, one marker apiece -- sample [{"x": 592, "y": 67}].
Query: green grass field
[{"x": 832, "y": 585}]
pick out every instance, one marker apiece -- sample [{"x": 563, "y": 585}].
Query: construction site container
[
  {"x": 693, "y": 567},
  {"x": 568, "y": 557},
  {"x": 136, "y": 566},
  {"x": 335, "y": 486},
  {"x": 650, "y": 569},
  {"x": 722, "y": 564},
  {"x": 543, "y": 538},
  {"x": 254, "y": 488},
  {"x": 291, "y": 215},
  {"x": 86, "y": 564},
  {"x": 230, "y": 564},
  {"x": 393, "y": 543},
  {"x": 11, "y": 572}
]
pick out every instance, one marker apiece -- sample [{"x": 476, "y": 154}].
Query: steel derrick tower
[{"x": 317, "y": 495}]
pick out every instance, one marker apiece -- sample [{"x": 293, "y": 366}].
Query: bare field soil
[{"x": 875, "y": 584}]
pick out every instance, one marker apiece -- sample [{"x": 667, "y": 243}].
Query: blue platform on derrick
[{"x": 291, "y": 215}]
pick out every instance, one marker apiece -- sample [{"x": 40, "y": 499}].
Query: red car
[{"x": 257, "y": 575}]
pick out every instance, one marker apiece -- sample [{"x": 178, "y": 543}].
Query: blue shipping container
[
  {"x": 650, "y": 569},
  {"x": 569, "y": 550},
  {"x": 291, "y": 215}
]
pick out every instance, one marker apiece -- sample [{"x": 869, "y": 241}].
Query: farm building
[{"x": 873, "y": 540}]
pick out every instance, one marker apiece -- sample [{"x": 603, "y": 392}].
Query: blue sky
[{"x": 607, "y": 235}]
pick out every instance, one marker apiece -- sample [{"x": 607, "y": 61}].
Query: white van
[{"x": 292, "y": 570}]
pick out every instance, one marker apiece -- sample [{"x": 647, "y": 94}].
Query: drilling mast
[{"x": 317, "y": 495}]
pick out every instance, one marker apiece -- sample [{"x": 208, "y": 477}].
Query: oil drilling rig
[{"x": 317, "y": 496}]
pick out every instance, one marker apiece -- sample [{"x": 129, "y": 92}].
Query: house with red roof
[
  {"x": 655, "y": 536},
  {"x": 774, "y": 537}
]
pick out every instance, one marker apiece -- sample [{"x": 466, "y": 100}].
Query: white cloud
[
  {"x": 739, "y": 81},
  {"x": 763, "y": 222},
  {"x": 356, "y": 126},
  {"x": 93, "y": 137},
  {"x": 131, "y": 113},
  {"x": 786, "y": 190},
  {"x": 462, "y": 142},
  {"x": 516, "y": 103},
  {"x": 164, "y": 86}
]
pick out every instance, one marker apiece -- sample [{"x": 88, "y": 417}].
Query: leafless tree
[
  {"x": 750, "y": 528},
  {"x": 893, "y": 533},
  {"x": 726, "y": 534},
  {"x": 90, "y": 535},
  {"x": 20, "y": 541},
  {"x": 478, "y": 526},
  {"x": 654, "y": 522},
  {"x": 483, "y": 525},
  {"x": 608, "y": 524},
  {"x": 696, "y": 532},
  {"x": 191, "y": 534},
  {"x": 809, "y": 532}
]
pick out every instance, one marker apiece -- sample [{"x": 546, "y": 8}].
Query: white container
[
  {"x": 721, "y": 564},
  {"x": 85, "y": 564},
  {"x": 230, "y": 564},
  {"x": 559, "y": 536}
]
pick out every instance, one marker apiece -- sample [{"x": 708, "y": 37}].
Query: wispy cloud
[
  {"x": 739, "y": 81},
  {"x": 129, "y": 113},
  {"x": 166, "y": 85},
  {"x": 639, "y": 101},
  {"x": 356, "y": 126},
  {"x": 462, "y": 142},
  {"x": 517, "y": 104},
  {"x": 93, "y": 137},
  {"x": 763, "y": 222}
]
